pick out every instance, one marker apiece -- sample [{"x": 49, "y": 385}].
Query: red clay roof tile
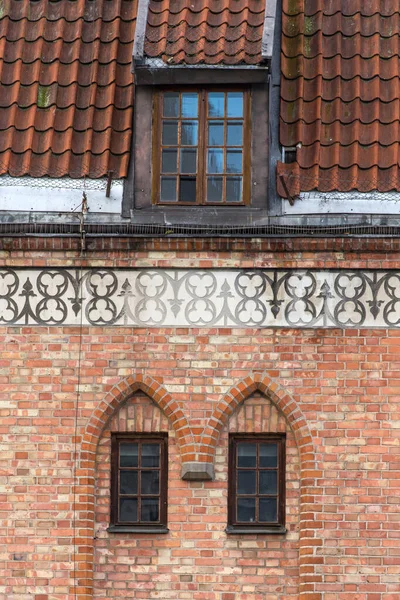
[
  {"x": 340, "y": 85},
  {"x": 66, "y": 87},
  {"x": 205, "y": 31},
  {"x": 65, "y": 73}
]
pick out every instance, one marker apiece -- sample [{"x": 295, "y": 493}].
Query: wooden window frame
[
  {"x": 141, "y": 526},
  {"x": 277, "y": 526},
  {"x": 203, "y": 119}
]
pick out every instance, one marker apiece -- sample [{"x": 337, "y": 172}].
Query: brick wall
[
  {"x": 197, "y": 559},
  {"x": 336, "y": 393}
]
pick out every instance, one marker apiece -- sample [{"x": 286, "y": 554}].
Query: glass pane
[
  {"x": 187, "y": 189},
  {"x": 215, "y": 163},
  {"x": 150, "y": 482},
  {"x": 216, "y": 104},
  {"x": 214, "y": 189},
  {"x": 268, "y": 510},
  {"x": 268, "y": 455},
  {"x": 169, "y": 161},
  {"x": 235, "y": 104},
  {"x": 128, "y": 481},
  {"x": 234, "y": 161},
  {"x": 188, "y": 161},
  {"x": 128, "y": 455},
  {"x": 234, "y": 136},
  {"x": 149, "y": 509},
  {"x": 190, "y": 104},
  {"x": 247, "y": 455},
  {"x": 171, "y": 104},
  {"x": 150, "y": 455},
  {"x": 189, "y": 133},
  {"x": 234, "y": 189},
  {"x": 246, "y": 482},
  {"x": 170, "y": 133},
  {"x": 128, "y": 509},
  {"x": 168, "y": 189},
  {"x": 216, "y": 133},
  {"x": 246, "y": 509},
  {"x": 268, "y": 482}
]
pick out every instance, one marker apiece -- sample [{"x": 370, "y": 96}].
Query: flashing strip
[
  {"x": 267, "y": 42},
  {"x": 140, "y": 32}
]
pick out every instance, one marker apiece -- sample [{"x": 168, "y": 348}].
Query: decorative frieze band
[{"x": 195, "y": 298}]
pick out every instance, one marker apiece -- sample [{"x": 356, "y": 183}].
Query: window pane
[
  {"x": 169, "y": 161},
  {"x": 150, "y": 482},
  {"x": 216, "y": 133},
  {"x": 149, "y": 509},
  {"x": 190, "y": 104},
  {"x": 234, "y": 189},
  {"x": 215, "y": 163},
  {"x": 268, "y": 509},
  {"x": 268, "y": 455},
  {"x": 128, "y": 481},
  {"x": 188, "y": 161},
  {"x": 247, "y": 455},
  {"x": 187, "y": 189},
  {"x": 268, "y": 482},
  {"x": 235, "y": 104},
  {"x": 128, "y": 455},
  {"x": 246, "y": 509},
  {"x": 170, "y": 133},
  {"x": 128, "y": 509},
  {"x": 171, "y": 104},
  {"x": 246, "y": 482},
  {"x": 168, "y": 189},
  {"x": 216, "y": 104},
  {"x": 234, "y": 136},
  {"x": 150, "y": 455},
  {"x": 189, "y": 133},
  {"x": 214, "y": 189},
  {"x": 234, "y": 161}
]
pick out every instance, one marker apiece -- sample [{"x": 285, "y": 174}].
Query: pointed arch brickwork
[
  {"x": 310, "y": 538},
  {"x": 82, "y": 587}
]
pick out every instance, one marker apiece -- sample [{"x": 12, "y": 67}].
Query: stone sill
[
  {"x": 127, "y": 529},
  {"x": 279, "y": 530}
]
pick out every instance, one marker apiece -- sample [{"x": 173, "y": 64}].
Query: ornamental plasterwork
[{"x": 195, "y": 298}]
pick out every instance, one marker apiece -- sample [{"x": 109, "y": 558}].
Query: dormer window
[{"x": 201, "y": 147}]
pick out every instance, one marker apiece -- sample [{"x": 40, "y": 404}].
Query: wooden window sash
[
  {"x": 116, "y": 440},
  {"x": 203, "y": 119},
  {"x": 235, "y": 439}
]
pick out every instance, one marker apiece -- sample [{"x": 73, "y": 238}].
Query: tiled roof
[
  {"x": 340, "y": 92},
  {"x": 205, "y": 31},
  {"x": 66, "y": 86}
]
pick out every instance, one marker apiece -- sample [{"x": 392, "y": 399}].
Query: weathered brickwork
[{"x": 335, "y": 392}]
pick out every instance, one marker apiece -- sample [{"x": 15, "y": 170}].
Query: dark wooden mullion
[
  {"x": 224, "y": 198},
  {"x": 156, "y": 154},
  {"x": 246, "y": 157},
  {"x": 178, "y": 158},
  {"x": 201, "y": 178},
  {"x": 257, "y": 482}
]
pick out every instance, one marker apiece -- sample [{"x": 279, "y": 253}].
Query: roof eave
[{"x": 156, "y": 72}]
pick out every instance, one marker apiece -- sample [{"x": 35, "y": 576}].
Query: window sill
[
  {"x": 234, "y": 530},
  {"x": 127, "y": 529}
]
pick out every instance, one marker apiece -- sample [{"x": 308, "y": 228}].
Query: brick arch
[
  {"x": 84, "y": 490},
  {"x": 310, "y": 509},
  {"x": 236, "y": 396},
  {"x": 121, "y": 392}
]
